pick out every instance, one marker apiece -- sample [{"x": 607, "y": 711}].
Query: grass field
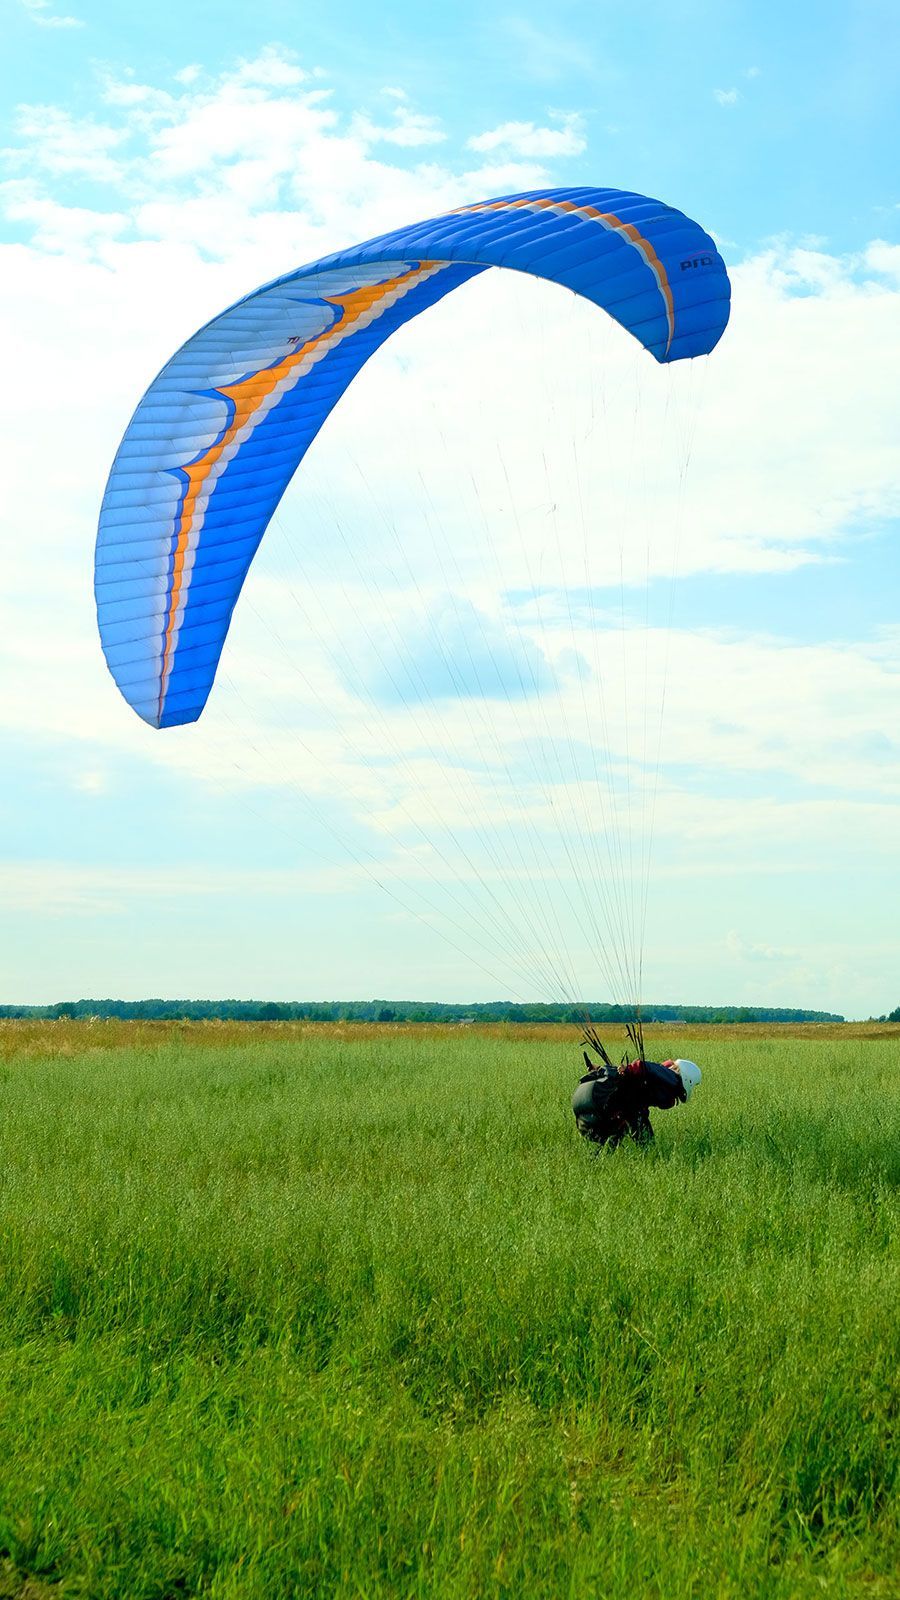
[{"x": 295, "y": 1311}]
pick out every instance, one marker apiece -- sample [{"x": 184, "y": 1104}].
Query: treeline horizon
[{"x": 599, "y": 1012}]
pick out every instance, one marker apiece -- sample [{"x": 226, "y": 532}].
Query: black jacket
[{"x": 607, "y": 1101}]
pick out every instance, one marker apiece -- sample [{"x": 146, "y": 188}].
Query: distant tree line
[{"x": 408, "y": 1011}]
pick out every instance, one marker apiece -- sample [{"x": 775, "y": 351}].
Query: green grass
[{"x": 299, "y": 1312}]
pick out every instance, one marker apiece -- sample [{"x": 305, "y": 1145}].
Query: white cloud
[
  {"x": 40, "y": 12},
  {"x": 135, "y": 97},
  {"x": 748, "y": 951},
  {"x": 726, "y": 97},
  {"x": 408, "y": 129},
  {"x": 91, "y": 781},
  {"x": 527, "y": 139},
  {"x": 58, "y": 888},
  {"x": 54, "y": 143},
  {"x": 237, "y": 121},
  {"x": 273, "y": 68},
  {"x": 883, "y": 259},
  {"x": 62, "y": 228},
  {"x": 256, "y": 153}
]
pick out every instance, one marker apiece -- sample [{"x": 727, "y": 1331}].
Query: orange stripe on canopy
[
  {"x": 249, "y": 395},
  {"x": 612, "y": 223}
]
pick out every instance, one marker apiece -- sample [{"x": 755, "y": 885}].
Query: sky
[{"x": 545, "y": 644}]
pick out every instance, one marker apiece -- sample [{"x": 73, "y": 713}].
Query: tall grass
[{"x": 352, "y": 1312}]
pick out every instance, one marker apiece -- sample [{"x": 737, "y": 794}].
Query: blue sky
[
  {"x": 806, "y": 144},
  {"x": 157, "y": 165}
]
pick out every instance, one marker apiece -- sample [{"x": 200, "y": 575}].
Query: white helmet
[{"x": 690, "y": 1074}]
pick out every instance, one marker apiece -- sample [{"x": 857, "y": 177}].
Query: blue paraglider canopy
[{"x": 217, "y": 437}]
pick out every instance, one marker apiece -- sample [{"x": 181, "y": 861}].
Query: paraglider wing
[{"x": 221, "y": 431}]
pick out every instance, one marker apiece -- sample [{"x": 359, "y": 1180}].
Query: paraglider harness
[{"x": 607, "y": 1108}]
